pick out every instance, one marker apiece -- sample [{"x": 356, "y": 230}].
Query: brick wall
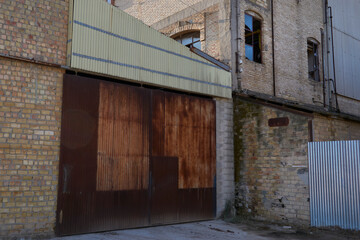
[
  {"x": 271, "y": 166},
  {"x": 151, "y": 12},
  {"x": 207, "y": 23},
  {"x": 29, "y": 147},
  {"x": 295, "y": 21},
  {"x": 257, "y": 76},
  {"x": 224, "y": 154},
  {"x": 262, "y": 3},
  {"x": 335, "y": 129},
  {"x": 348, "y": 105},
  {"x": 30, "y": 109},
  {"x": 34, "y": 29}
]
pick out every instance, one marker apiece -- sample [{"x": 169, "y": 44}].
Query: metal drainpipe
[
  {"x": 238, "y": 43},
  {"x": 234, "y": 45},
  {"x": 333, "y": 58},
  {"x": 273, "y": 46},
  {"x": 327, "y": 55},
  {"x": 323, "y": 65}
]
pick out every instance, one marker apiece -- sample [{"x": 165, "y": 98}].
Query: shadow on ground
[{"x": 275, "y": 231}]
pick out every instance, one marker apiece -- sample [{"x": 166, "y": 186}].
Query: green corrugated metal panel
[
  {"x": 70, "y": 31},
  {"x": 109, "y": 41}
]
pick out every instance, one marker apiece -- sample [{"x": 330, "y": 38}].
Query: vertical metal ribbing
[
  {"x": 357, "y": 184},
  {"x": 334, "y": 175},
  {"x": 311, "y": 183}
]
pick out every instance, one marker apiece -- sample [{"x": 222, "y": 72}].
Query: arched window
[
  {"x": 189, "y": 39},
  {"x": 252, "y": 38}
]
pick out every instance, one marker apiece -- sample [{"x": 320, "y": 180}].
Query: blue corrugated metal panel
[
  {"x": 334, "y": 170},
  {"x": 346, "y": 46}
]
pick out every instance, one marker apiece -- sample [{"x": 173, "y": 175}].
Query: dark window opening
[
  {"x": 313, "y": 61},
  {"x": 112, "y": 2},
  {"x": 252, "y": 38},
  {"x": 191, "y": 39}
]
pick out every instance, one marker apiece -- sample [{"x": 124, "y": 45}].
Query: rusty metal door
[
  {"x": 133, "y": 157},
  {"x": 164, "y": 190},
  {"x": 184, "y": 127},
  {"x": 104, "y": 157}
]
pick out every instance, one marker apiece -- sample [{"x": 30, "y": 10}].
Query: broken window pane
[
  {"x": 249, "y": 52},
  {"x": 248, "y": 22},
  {"x": 197, "y": 45},
  {"x": 252, "y": 38},
  {"x": 190, "y": 39},
  {"x": 313, "y": 61},
  {"x": 186, "y": 40}
]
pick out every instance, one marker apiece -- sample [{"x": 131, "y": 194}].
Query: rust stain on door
[
  {"x": 110, "y": 132},
  {"x": 123, "y": 150},
  {"x": 189, "y": 134}
]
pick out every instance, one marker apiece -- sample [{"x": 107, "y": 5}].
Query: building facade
[
  {"x": 290, "y": 86},
  {"x": 286, "y": 90},
  {"x": 87, "y": 128}
]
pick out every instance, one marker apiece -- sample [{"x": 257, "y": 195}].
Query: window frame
[
  {"x": 182, "y": 35},
  {"x": 314, "y": 44},
  {"x": 254, "y": 16}
]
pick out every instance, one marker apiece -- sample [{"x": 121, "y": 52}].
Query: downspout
[
  {"x": 234, "y": 46},
  {"x": 327, "y": 56},
  {"x": 273, "y": 47},
  {"x": 333, "y": 58},
  {"x": 323, "y": 65},
  {"x": 238, "y": 45},
  {"x": 238, "y": 42}
]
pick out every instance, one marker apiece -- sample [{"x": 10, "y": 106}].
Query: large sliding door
[{"x": 133, "y": 157}]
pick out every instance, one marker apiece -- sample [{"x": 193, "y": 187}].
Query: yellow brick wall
[
  {"x": 153, "y": 11},
  {"x": 295, "y": 21},
  {"x": 34, "y": 29},
  {"x": 335, "y": 129},
  {"x": 257, "y": 76},
  {"x": 207, "y": 23},
  {"x": 271, "y": 166},
  {"x": 30, "y": 112}
]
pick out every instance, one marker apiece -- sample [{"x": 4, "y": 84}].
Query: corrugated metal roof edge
[
  {"x": 210, "y": 58},
  {"x": 132, "y": 81}
]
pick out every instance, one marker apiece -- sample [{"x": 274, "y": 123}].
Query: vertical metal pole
[
  {"x": 234, "y": 44},
  {"x": 273, "y": 47},
  {"x": 333, "y": 57},
  {"x": 323, "y": 65},
  {"x": 327, "y": 55}
]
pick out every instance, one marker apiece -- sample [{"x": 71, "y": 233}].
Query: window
[
  {"x": 313, "y": 60},
  {"x": 110, "y": 1},
  {"x": 252, "y": 38},
  {"x": 191, "y": 39}
]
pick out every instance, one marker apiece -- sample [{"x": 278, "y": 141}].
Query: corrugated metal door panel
[
  {"x": 164, "y": 190},
  {"x": 106, "y": 146},
  {"x": 158, "y": 124},
  {"x": 77, "y": 168},
  {"x": 123, "y": 155},
  {"x": 81, "y": 208},
  {"x": 182, "y": 130}
]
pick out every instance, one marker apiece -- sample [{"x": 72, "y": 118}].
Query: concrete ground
[{"x": 217, "y": 229}]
